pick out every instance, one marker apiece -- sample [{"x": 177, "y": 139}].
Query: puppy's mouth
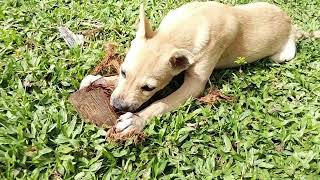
[{"x": 173, "y": 85}]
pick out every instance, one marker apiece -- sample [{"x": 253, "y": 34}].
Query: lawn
[{"x": 270, "y": 130}]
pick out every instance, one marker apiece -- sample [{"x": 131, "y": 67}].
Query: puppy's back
[{"x": 264, "y": 29}]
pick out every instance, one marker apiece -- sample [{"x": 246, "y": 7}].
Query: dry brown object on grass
[
  {"x": 92, "y": 103},
  {"x": 110, "y": 64},
  {"x": 214, "y": 96},
  {"x": 135, "y": 135}
]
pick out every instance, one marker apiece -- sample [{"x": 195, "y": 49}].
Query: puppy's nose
[{"x": 120, "y": 105}]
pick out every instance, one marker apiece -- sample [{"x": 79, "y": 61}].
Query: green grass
[{"x": 271, "y": 130}]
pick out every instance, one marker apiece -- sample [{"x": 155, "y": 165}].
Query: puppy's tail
[{"x": 300, "y": 34}]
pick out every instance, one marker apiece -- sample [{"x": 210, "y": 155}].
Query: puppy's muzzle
[{"x": 120, "y": 105}]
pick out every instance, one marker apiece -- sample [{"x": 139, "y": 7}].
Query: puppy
[{"x": 196, "y": 38}]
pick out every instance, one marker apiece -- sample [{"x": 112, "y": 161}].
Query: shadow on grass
[{"x": 223, "y": 76}]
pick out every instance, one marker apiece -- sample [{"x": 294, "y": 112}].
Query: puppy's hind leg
[{"x": 288, "y": 51}]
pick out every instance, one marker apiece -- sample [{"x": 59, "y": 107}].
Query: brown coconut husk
[
  {"x": 92, "y": 103},
  {"x": 135, "y": 135}
]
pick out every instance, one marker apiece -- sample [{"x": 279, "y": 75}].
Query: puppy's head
[{"x": 149, "y": 66}]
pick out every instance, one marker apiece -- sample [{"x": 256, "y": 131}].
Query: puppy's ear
[
  {"x": 144, "y": 29},
  {"x": 181, "y": 60}
]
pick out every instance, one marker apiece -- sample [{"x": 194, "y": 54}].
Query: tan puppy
[{"x": 196, "y": 37}]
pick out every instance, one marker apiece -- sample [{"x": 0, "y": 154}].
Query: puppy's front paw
[
  {"x": 128, "y": 123},
  {"x": 88, "y": 80}
]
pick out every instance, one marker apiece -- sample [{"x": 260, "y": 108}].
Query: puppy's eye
[
  {"x": 147, "y": 88},
  {"x": 123, "y": 73}
]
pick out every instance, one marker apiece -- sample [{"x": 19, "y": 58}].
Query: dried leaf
[
  {"x": 213, "y": 96},
  {"x": 70, "y": 38}
]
